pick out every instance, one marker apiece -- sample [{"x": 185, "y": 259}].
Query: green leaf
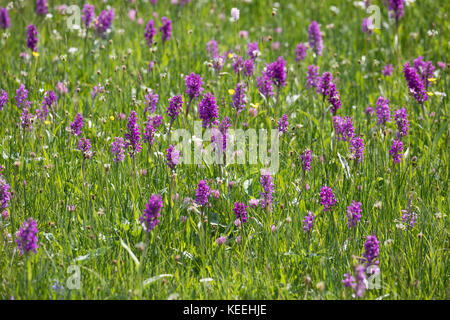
[
  {"x": 156, "y": 278},
  {"x": 127, "y": 248}
]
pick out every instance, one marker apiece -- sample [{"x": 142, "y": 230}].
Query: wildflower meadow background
[{"x": 97, "y": 202}]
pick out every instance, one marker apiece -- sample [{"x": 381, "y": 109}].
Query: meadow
[{"x": 97, "y": 202}]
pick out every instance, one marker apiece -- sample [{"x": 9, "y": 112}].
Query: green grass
[{"x": 283, "y": 264}]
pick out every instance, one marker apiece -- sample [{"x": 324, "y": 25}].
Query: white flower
[
  {"x": 82, "y": 33},
  {"x": 359, "y": 4},
  {"x": 439, "y": 215},
  {"x": 400, "y": 226},
  {"x": 234, "y": 14},
  {"x": 432, "y": 33},
  {"x": 334, "y": 9}
]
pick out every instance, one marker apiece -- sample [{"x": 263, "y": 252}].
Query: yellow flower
[
  {"x": 255, "y": 105},
  {"x": 230, "y": 55},
  {"x": 432, "y": 79},
  {"x": 47, "y": 122},
  {"x": 111, "y": 118},
  {"x": 231, "y": 91},
  {"x": 35, "y": 54},
  {"x": 430, "y": 93}
]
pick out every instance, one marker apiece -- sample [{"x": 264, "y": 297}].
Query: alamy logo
[
  {"x": 374, "y": 278},
  {"x": 74, "y": 17},
  {"x": 74, "y": 281},
  {"x": 235, "y": 146},
  {"x": 374, "y": 18}
]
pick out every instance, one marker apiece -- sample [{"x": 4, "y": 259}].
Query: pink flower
[
  {"x": 216, "y": 194},
  {"x": 132, "y": 14},
  {"x": 253, "y": 112},
  {"x": 61, "y": 87},
  {"x": 276, "y": 45},
  {"x": 62, "y": 8},
  {"x": 243, "y": 34},
  {"x": 151, "y": 65},
  {"x": 234, "y": 14},
  {"x": 253, "y": 203},
  {"x": 221, "y": 240}
]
